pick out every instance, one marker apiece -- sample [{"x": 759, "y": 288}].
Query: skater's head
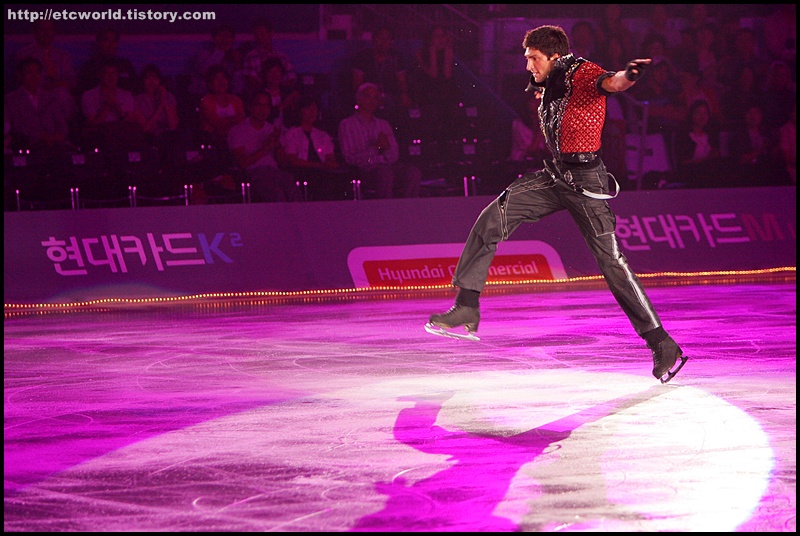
[{"x": 543, "y": 46}]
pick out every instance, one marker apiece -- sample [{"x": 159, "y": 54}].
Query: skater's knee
[{"x": 489, "y": 224}]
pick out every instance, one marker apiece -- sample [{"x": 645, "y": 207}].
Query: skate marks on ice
[
  {"x": 471, "y": 451},
  {"x": 266, "y": 419},
  {"x": 443, "y": 497},
  {"x": 514, "y": 462},
  {"x": 444, "y": 332}
]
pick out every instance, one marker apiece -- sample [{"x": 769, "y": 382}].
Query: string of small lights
[{"x": 385, "y": 292}]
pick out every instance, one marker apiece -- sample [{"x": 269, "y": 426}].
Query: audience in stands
[
  {"x": 221, "y": 51},
  {"x": 583, "y": 39},
  {"x": 34, "y": 115},
  {"x": 780, "y": 36},
  {"x": 435, "y": 89},
  {"x": 157, "y": 107},
  {"x": 612, "y": 53},
  {"x": 741, "y": 69},
  {"x": 756, "y": 151},
  {"x": 779, "y": 93},
  {"x": 109, "y": 112},
  {"x": 220, "y": 109},
  {"x": 661, "y": 90},
  {"x": 528, "y": 146},
  {"x": 256, "y": 53},
  {"x": 735, "y": 98},
  {"x": 696, "y": 148},
  {"x": 744, "y": 53},
  {"x": 311, "y": 154},
  {"x": 660, "y": 26},
  {"x": 787, "y": 143},
  {"x": 610, "y": 26},
  {"x": 368, "y": 143},
  {"x": 283, "y": 91},
  {"x": 256, "y": 148},
  {"x": 386, "y": 67},
  {"x": 692, "y": 90},
  {"x": 57, "y": 63},
  {"x": 106, "y": 48},
  {"x": 706, "y": 57}
]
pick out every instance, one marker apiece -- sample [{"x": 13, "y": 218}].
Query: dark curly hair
[{"x": 547, "y": 39}]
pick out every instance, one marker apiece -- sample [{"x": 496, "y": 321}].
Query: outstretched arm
[{"x": 622, "y": 80}]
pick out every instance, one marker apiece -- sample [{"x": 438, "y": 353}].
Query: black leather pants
[{"x": 538, "y": 194}]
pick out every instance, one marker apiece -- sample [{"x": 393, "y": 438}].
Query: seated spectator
[
  {"x": 735, "y": 99},
  {"x": 787, "y": 142},
  {"x": 655, "y": 47},
  {"x": 527, "y": 140},
  {"x": 106, "y": 48},
  {"x": 220, "y": 109},
  {"x": 258, "y": 52},
  {"x": 110, "y": 113},
  {"x": 659, "y": 24},
  {"x": 256, "y": 148},
  {"x": 36, "y": 119},
  {"x": 157, "y": 110},
  {"x": 6, "y": 131},
  {"x": 583, "y": 39},
  {"x": 756, "y": 153},
  {"x": 692, "y": 90},
  {"x": 744, "y": 53},
  {"x": 311, "y": 154},
  {"x": 780, "y": 39},
  {"x": 728, "y": 24},
  {"x": 780, "y": 93},
  {"x": 156, "y": 105},
  {"x": 386, "y": 67},
  {"x": 57, "y": 64},
  {"x": 684, "y": 55},
  {"x": 35, "y": 123},
  {"x": 660, "y": 89},
  {"x": 284, "y": 94},
  {"x": 697, "y": 153},
  {"x": 611, "y": 54},
  {"x": 613, "y": 139},
  {"x": 612, "y": 25},
  {"x": 706, "y": 56},
  {"x": 698, "y": 16},
  {"x": 221, "y": 51},
  {"x": 368, "y": 143},
  {"x": 437, "y": 92}
]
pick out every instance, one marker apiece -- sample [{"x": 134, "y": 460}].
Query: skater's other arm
[{"x": 622, "y": 80}]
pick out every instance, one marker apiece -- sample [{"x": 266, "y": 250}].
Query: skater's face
[{"x": 539, "y": 64}]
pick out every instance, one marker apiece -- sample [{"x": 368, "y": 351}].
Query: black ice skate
[
  {"x": 665, "y": 355},
  {"x": 456, "y": 316}
]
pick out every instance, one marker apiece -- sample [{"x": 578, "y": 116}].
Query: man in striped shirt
[{"x": 368, "y": 143}]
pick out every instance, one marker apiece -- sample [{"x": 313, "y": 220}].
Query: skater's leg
[
  {"x": 528, "y": 199},
  {"x": 597, "y": 223}
]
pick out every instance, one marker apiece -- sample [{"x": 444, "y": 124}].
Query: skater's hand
[{"x": 635, "y": 69}]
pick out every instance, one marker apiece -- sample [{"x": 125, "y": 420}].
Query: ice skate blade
[
  {"x": 671, "y": 374},
  {"x": 436, "y": 330}
]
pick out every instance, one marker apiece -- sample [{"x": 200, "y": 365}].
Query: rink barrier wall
[{"x": 63, "y": 256}]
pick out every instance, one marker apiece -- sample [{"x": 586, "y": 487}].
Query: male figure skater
[{"x": 573, "y": 95}]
